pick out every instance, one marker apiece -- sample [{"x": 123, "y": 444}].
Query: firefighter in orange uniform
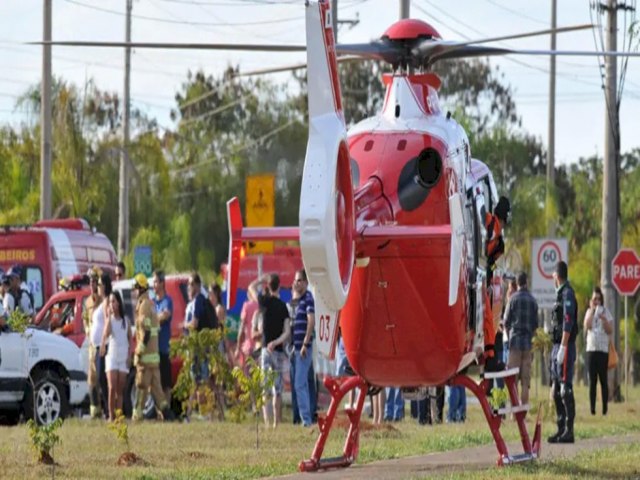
[
  {"x": 147, "y": 356},
  {"x": 494, "y": 248},
  {"x": 494, "y": 223}
]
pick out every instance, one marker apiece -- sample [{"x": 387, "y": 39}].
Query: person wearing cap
[
  {"x": 147, "y": 355},
  {"x": 494, "y": 248},
  {"x": 521, "y": 323},
  {"x": 17, "y": 297},
  {"x": 563, "y": 354},
  {"x": 91, "y": 304}
]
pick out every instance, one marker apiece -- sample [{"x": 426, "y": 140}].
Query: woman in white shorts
[{"x": 118, "y": 333}]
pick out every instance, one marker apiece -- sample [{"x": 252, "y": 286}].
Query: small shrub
[
  {"x": 121, "y": 428},
  {"x": 43, "y": 439},
  {"x": 18, "y": 321},
  {"x": 498, "y": 397},
  {"x": 204, "y": 346},
  {"x": 541, "y": 341},
  {"x": 252, "y": 389}
]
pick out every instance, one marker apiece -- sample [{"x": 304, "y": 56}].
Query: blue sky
[{"x": 156, "y": 75}]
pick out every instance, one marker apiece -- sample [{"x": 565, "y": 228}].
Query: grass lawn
[
  {"x": 227, "y": 450},
  {"x": 620, "y": 462}
]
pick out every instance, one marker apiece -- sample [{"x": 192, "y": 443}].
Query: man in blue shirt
[
  {"x": 164, "y": 309},
  {"x": 194, "y": 319},
  {"x": 303, "y": 325}
]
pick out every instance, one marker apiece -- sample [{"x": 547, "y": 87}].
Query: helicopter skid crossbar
[
  {"x": 494, "y": 418},
  {"x": 338, "y": 388}
]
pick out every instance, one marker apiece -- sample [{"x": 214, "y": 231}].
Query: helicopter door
[{"x": 473, "y": 245}]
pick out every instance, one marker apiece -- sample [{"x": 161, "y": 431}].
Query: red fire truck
[{"x": 49, "y": 250}]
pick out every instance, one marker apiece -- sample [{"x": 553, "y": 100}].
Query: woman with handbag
[{"x": 598, "y": 325}]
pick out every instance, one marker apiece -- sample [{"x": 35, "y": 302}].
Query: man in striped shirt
[{"x": 303, "y": 325}]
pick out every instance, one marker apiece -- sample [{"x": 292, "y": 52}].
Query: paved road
[{"x": 475, "y": 458}]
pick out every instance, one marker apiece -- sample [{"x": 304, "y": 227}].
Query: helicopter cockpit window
[
  {"x": 486, "y": 191},
  {"x": 481, "y": 206}
]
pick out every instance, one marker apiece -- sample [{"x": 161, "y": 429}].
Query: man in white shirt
[{"x": 17, "y": 297}]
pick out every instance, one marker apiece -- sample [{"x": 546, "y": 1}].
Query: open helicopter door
[{"x": 326, "y": 200}]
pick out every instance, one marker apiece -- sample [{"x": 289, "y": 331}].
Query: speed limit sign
[
  {"x": 548, "y": 257},
  {"x": 545, "y": 255}
]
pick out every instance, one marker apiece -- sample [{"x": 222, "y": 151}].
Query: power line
[
  {"x": 215, "y": 111},
  {"x": 516, "y": 12},
  {"x": 507, "y": 58},
  {"x": 185, "y": 22},
  {"x": 247, "y": 3},
  {"x": 74, "y": 61},
  {"x": 246, "y": 146},
  {"x": 237, "y": 3}
]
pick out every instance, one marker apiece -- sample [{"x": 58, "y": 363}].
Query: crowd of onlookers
[{"x": 279, "y": 336}]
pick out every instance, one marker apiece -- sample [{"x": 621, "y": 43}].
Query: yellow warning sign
[{"x": 260, "y": 208}]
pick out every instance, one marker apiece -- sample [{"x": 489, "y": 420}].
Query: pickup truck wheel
[{"x": 47, "y": 401}]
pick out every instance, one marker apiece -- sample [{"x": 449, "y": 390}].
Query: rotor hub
[{"x": 411, "y": 29}]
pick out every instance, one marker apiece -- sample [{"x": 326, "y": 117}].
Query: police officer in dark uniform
[{"x": 563, "y": 355}]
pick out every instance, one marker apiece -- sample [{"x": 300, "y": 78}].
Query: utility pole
[
  {"x": 123, "y": 216},
  {"x": 45, "y": 116},
  {"x": 335, "y": 22},
  {"x": 551, "y": 160},
  {"x": 610, "y": 174},
  {"x": 404, "y": 8},
  {"x": 334, "y": 19},
  {"x": 551, "y": 173}
]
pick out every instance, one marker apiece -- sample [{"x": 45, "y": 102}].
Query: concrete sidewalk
[{"x": 474, "y": 458}]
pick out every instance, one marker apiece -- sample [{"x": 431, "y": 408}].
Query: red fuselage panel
[{"x": 397, "y": 325}]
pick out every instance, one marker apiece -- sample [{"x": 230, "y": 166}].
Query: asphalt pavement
[{"x": 446, "y": 463}]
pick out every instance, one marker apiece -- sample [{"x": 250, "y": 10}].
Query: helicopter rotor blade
[
  {"x": 430, "y": 50},
  {"x": 290, "y": 68},
  {"x": 376, "y": 50},
  {"x": 480, "y": 51},
  {"x": 573, "y": 53},
  {"x": 548, "y": 31},
  {"x": 176, "y": 46}
]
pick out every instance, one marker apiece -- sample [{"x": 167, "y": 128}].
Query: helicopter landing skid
[
  {"x": 338, "y": 388},
  {"x": 494, "y": 417}
]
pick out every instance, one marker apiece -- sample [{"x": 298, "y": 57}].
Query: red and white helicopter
[
  {"x": 392, "y": 227},
  {"x": 391, "y": 230}
]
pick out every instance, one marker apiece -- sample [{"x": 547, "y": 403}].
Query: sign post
[
  {"x": 142, "y": 260},
  {"x": 625, "y": 268},
  {"x": 260, "y": 208},
  {"x": 545, "y": 255}
]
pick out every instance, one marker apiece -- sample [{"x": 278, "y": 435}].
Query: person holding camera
[{"x": 598, "y": 323}]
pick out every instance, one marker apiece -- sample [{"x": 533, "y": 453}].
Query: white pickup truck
[{"x": 41, "y": 375}]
